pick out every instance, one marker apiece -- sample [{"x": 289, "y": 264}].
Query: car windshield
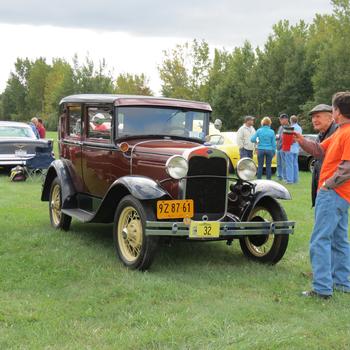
[
  {"x": 161, "y": 121},
  {"x": 216, "y": 139},
  {"x": 16, "y": 131},
  {"x": 232, "y": 136}
]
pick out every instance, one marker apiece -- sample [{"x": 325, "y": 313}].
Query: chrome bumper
[
  {"x": 12, "y": 162},
  {"x": 227, "y": 229}
]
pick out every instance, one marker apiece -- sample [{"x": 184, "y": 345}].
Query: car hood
[{"x": 163, "y": 147}]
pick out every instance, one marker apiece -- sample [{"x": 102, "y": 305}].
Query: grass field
[{"x": 67, "y": 290}]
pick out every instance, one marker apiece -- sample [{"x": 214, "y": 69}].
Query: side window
[
  {"x": 74, "y": 121},
  {"x": 100, "y": 121}
]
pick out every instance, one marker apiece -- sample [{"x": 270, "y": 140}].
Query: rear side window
[
  {"x": 100, "y": 121},
  {"x": 74, "y": 121}
]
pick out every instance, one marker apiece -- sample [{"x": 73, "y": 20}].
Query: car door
[
  {"x": 70, "y": 142},
  {"x": 100, "y": 166}
]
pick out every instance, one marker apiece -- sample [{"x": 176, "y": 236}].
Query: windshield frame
[{"x": 158, "y": 133}]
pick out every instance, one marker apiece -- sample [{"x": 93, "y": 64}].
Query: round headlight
[
  {"x": 246, "y": 169},
  {"x": 176, "y": 167}
]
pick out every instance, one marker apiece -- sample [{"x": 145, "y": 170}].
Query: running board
[{"x": 80, "y": 214}]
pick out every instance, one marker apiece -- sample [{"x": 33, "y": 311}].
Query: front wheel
[
  {"x": 58, "y": 219},
  {"x": 266, "y": 248},
  {"x": 133, "y": 247}
]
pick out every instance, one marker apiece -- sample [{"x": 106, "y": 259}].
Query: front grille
[{"x": 208, "y": 193}]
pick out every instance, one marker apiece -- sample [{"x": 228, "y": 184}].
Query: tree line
[{"x": 298, "y": 67}]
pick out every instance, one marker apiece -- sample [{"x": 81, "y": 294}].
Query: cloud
[{"x": 221, "y": 22}]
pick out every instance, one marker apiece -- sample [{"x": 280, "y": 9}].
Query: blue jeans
[
  {"x": 264, "y": 154},
  {"x": 281, "y": 166},
  {"x": 292, "y": 167},
  {"x": 243, "y": 153},
  {"x": 329, "y": 244}
]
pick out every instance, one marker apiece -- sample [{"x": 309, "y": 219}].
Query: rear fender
[{"x": 59, "y": 168}]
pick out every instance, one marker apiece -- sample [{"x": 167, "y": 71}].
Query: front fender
[
  {"x": 266, "y": 188},
  {"x": 270, "y": 188},
  {"x": 140, "y": 187},
  {"x": 58, "y": 168}
]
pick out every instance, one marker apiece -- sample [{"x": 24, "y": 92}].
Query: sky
[{"x": 132, "y": 35}]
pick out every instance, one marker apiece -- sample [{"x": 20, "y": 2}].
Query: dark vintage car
[
  {"x": 146, "y": 167},
  {"x": 18, "y": 144},
  {"x": 306, "y": 160}
]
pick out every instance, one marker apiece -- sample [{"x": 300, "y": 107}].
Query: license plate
[
  {"x": 20, "y": 152},
  {"x": 175, "y": 209},
  {"x": 204, "y": 229}
]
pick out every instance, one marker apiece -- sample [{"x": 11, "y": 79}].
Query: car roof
[
  {"x": 135, "y": 100},
  {"x": 11, "y": 123}
]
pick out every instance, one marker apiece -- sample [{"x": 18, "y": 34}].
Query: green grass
[{"x": 67, "y": 290}]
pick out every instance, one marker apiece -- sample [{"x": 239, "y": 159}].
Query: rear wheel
[
  {"x": 133, "y": 247},
  {"x": 58, "y": 219},
  {"x": 266, "y": 248}
]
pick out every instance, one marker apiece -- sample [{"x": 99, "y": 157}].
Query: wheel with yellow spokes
[
  {"x": 266, "y": 248},
  {"x": 133, "y": 247},
  {"x": 58, "y": 219}
]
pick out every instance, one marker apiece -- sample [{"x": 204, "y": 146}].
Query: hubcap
[
  {"x": 56, "y": 204},
  {"x": 130, "y": 234},
  {"x": 260, "y": 245}
]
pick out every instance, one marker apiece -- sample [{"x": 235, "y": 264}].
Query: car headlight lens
[
  {"x": 176, "y": 167},
  {"x": 246, "y": 169}
]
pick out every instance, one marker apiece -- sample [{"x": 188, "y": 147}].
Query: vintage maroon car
[{"x": 142, "y": 163}]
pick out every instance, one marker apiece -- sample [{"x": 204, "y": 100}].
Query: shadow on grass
[
  {"x": 173, "y": 254},
  {"x": 101, "y": 234}
]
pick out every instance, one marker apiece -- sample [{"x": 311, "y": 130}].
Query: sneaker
[{"x": 313, "y": 294}]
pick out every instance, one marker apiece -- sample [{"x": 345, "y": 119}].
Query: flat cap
[
  {"x": 283, "y": 116},
  {"x": 248, "y": 117},
  {"x": 321, "y": 108}
]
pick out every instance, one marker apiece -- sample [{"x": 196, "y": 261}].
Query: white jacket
[{"x": 244, "y": 134}]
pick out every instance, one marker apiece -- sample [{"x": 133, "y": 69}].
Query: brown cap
[{"x": 321, "y": 108}]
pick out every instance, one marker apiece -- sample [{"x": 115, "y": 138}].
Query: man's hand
[
  {"x": 324, "y": 186},
  {"x": 298, "y": 137}
]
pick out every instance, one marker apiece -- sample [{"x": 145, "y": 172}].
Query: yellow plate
[
  {"x": 175, "y": 209},
  {"x": 204, "y": 229}
]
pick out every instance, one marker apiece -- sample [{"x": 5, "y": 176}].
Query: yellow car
[{"x": 227, "y": 142}]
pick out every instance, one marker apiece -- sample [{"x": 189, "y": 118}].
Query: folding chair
[{"x": 39, "y": 164}]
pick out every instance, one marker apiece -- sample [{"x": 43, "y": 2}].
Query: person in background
[
  {"x": 266, "y": 146},
  {"x": 281, "y": 162},
  {"x": 323, "y": 122},
  {"x": 218, "y": 124},
  {"x": 291, "y": 157},
  {"x": 329, "y": 244},
  {"x": 98, "y": 122},
  {"x": 244, "y": 134},
  {"x": 41, "y": 128},
  {"x": 32, "y": 124}
]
